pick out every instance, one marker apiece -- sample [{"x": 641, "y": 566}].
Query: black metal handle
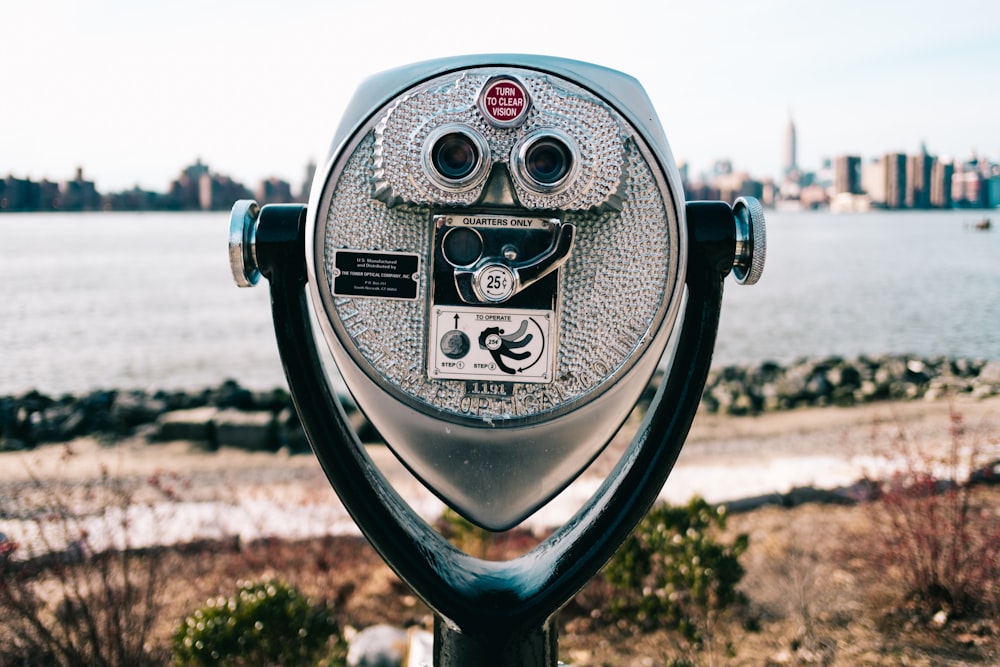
[{"x": 489, "y": 613}]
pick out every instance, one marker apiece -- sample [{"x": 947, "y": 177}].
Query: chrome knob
[
  {"x": 243, "y": 242},
  {"x": 751, "y": 241}
]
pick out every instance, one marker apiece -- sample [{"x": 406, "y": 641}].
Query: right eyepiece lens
[
  {"x": 548, "y": 161},
  {"x": 455, "y": 156}
]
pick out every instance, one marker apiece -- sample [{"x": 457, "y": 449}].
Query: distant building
[
  {"x": 992, "y": 186},
  {"x": 14, "y": 194},
  {"x": 731, "y": 186},
  {"x": 49, "y": 195},
  {"x": 311, "y": 174},
  {"x": 197, "y": 188},
  {"x": 135, "y": 199},
  {"x": 941, "y": 177},
  {"x": 79, "y": 194},
  {"x": 968, "y": 189},
  {"x": 873, "y": 181},
  {"x": 217, "y": 193},
  {"x": 791, "y": 158},
  {"x": 700, "y": 190},
  {"x": 722, "y": 167},
  {"x": 895, "y": 180},
  {"x": 918, "y": 180},
  {"x": 186, "y": 192},
  {"x": 847, "y": 175},
  {"x": 274, "y": 191}
]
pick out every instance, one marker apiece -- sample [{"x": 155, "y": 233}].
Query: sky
[{"x": 133, "y": 91}]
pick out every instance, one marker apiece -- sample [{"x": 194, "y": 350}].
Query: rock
[
  {"x": 231, "y": 395},
  {"x": 290, "y": 432},
  {"x": 802, "y": 495},
  {"x": 246, "y": 430},
  {"x": 192, "y": 424},
  {"x": 420, "y": 650},
  {"x": 378, "y": 646},
  {"x": 131, "y": 408},
  {"x": 990, "y": 374},
  {"x": 988, "y": 474},
  {"x": 987, "y": 383},
  {"x": 983, "y": 391}
]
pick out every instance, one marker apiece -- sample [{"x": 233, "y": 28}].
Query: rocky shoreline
[{"x": 231, "y": 415}]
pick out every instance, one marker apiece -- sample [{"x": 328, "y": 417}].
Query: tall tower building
[
  {"x": 941, "y": 175},
  {"x": 918, "y": 180},
  {"x": 895, "y": 180},
  {"x": 791, "y": 161}
]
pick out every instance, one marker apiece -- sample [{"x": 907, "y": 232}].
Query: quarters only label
[
  {"x": 383, "y": 275},
  {"x": 513, "y": 345}
]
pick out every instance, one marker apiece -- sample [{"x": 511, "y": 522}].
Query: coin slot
[{"x": 462, "y": 246}]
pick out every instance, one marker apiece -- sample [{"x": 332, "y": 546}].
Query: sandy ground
[{"x": 253, "y": 494}]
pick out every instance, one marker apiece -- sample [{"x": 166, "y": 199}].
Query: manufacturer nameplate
[{"x": 380, "y": 275}]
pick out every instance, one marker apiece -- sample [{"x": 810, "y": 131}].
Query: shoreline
[
  {"x": 809, "y": 454},
  {"x": 232, "y": 415}
]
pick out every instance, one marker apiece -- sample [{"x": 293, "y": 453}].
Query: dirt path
[{"x": 724, "y": 459}]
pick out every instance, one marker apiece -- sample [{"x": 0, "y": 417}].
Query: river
[{"x": 146, "y": 300}]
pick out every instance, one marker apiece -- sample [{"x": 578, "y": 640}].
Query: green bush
[
  {"x": 464, "y": 534},
  {"x": 672, "y": 572},
  {"x": 264, "y": 623}
]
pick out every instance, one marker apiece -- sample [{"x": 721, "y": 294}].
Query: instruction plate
[{"x": 513, "y": 345}]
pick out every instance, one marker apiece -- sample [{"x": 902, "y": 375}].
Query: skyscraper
[
  {"x": 791, "y": 162},
  {"x": 847, "y": 174},
  {"x": 918, "y": 180},
  {"x": 941, "y": 175},
  {"x": 895, "y": 180}
]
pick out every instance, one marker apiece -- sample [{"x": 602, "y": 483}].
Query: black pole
[{"x": 530, "y": 647}]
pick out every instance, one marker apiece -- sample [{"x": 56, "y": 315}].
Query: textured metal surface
[
  {"x": 496, "y": 456},
  {"x": 402, "y": 134},
  {"x": 614, "y": 291}
]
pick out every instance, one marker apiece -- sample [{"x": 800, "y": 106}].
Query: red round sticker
[{"x": 504, "y": 102}]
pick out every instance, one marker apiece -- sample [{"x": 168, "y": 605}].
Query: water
[
  {"x": 921, "y": 283},
  {"x": 128, "y": 300}
]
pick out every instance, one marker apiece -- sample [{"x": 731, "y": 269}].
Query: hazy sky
[{"x": 134, "y": 90}]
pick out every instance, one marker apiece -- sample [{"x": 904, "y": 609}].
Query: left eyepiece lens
[{"x": 455, "y": 156}]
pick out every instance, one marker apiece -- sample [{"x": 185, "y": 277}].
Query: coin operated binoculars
[{"x": 499, "y": 256}]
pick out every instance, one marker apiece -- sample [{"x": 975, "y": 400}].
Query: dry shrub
[
  {"x": 77, "y": 592},
  {"x": 937, "y": 530}
]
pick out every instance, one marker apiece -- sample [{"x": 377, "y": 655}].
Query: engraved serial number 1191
[{"x": 489, "y": 388}]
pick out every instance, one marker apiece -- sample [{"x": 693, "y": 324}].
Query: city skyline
[
  {"x": 786, "y": 145},
  {"x": 129, "y": 91},
  {"x": 844, "y": 183}
]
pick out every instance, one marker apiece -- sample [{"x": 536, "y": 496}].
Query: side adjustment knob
[
  {"x": 243, "y": 242},
  {"x": 751, "y": 241}
]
